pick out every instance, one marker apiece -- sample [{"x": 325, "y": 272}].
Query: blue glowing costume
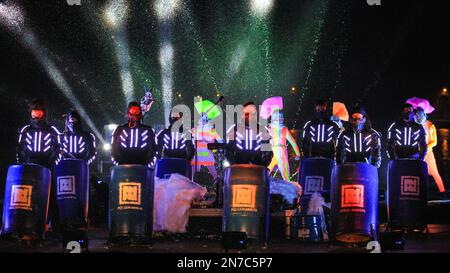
[
  {"x": 319, "y": 138},
  {"x": 363, "y": 146},
  {"x": 38, "y": 144},
  {"x": 246, "y": 147},
  {"x": 77, "y": 143}
]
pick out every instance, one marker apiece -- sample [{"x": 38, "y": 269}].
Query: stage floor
[{"x": 437, "y": 241}]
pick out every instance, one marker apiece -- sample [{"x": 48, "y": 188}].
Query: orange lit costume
[
  {"x": 280, "y": 136},
  {"x": 429, "y": 158}
]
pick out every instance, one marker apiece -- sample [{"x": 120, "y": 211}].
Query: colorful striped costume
[
  {"x": 280, "y": 136},
  {"x": 202, "y": 136}
]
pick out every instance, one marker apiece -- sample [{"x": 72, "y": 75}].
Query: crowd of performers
[{"x": 412, "y": 136}]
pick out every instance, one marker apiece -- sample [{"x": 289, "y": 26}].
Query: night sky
[{"x": 343, "y": 50}]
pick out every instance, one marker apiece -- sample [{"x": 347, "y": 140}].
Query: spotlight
[
  {"x": 166, "y": 9},
  {"x": 106, "y": 147},
  {"x": 11, "y": 16},
  {"x": 261, "y": 7},
  {"x": 115, "y": 13},
  {"x": 166, "y": 62},
  {"x": 444, "y": 92}
]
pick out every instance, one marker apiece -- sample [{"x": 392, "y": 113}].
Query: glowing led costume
[
  {"x": 75, "y": 142},
  {"x": 133, "y": 142},
  {"x": 280, "y": 135},
  {"x": 429, "y": 158},
  {"x": 363, "y": 146},
  {"x": 245, "y": 147},
  {"x": 38, "y": 141},
  {"x": 174, "y": 143},
  {"x": 205, "y": 133},
  {"x": 38, "y": 145},
  {"x": 406, "y": 139},
  {"x": 319, "y": 138},
  {"x": 133, "y": 145},
  {"x": 244, "y": 142}
]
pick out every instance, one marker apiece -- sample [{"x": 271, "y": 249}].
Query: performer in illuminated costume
[
  {"x": 205, "y": 133},
  {"x": 39, "y": 144},
  {"x": 320, "y": 134},
  {"x": 421, "y": 118},
  {"x": 38, "y": 141},
  {"x": 359, "y": 142},
  {"x": 133, "y": 142},
  {"x": 280, "y": 135},
  {"x": 406, "y": 138},
  {"x": 245, "y": 147},
  {"x": 172, "y": 143},
  {"x": 77, "y": 143}
]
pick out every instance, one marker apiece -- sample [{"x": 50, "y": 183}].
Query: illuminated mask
[
  {"x": 357, "y": 116},
  {"x": 134, "y": 113},
  {"x": 37, "y": 114},
  {"x": 72, "y": 123}
]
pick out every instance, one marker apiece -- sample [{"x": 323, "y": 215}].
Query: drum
[
  {"x": 131, "y": 204},
  {"x": 26, "y": 202},
  {"x": 354, "y": 202},
  {"x": 246, "y": 200},
  {"x": 167, "y": 166},
  {"x": 315, "y": 176},
  {"x": 407, "y": 193},
  {"x": 72, "y": 193}
]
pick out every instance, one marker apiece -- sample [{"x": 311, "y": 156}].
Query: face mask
[
  {"x": 357, "y": 127},
  {"x": 422, "y": 122},
  {"x": 408, "y": 116},
  {"x": 38, "y": 123},
  {"x": 73, "y": 124},
  {"x": 134, "y": 113},
  {"x": 358, "y": 121},
  {"x": 37, "y": 114},
  {"x": 172, "y": 120},
  {"x": 321, "y": 115}
]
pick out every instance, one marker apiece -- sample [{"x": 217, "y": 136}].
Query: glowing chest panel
[
  {"x": 134, "y": 138},
  {"x": 248, "y": 141},
  {"x": 74, "y": 144},
  {"x": 321, "y": 133},
  {"x": 406, "y": 136},
  {"x": 174, "y": 141},
  {"x": 38, "y": 141},
  {"x": 357, "y": 143}
]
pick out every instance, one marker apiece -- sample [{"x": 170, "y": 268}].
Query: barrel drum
[
  {"x": 246, "y": 200},
  {"x": 167, "y": 166},
  {"x": 26, "y": 202},
  {"x": 315, "y": 176},
  {"x": 407, "y": 193},
  {"x": 72, "y": 193},
  {"x": 131, "y": 203},
  {"x": 354, "y": 202}
]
